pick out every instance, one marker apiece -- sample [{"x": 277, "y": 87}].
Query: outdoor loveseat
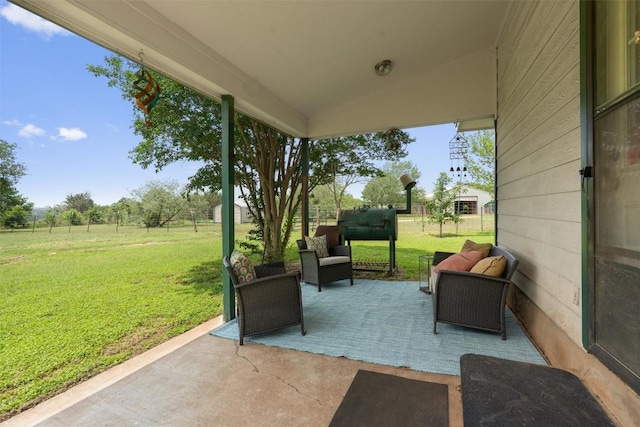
[
  {"x": 268, "y": 297},
  {"x": 472, "y": 299}
]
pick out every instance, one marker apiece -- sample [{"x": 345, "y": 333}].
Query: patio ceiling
[{"x": 307, "y": 67}]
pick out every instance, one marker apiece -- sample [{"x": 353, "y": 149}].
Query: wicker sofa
[
  {"x": 470, "y": 299},
  {"x": 323, "y": 270},
  {"x": 273, "y": 300}
]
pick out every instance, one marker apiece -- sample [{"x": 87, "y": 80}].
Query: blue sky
[{"x": 73, "y": 132}]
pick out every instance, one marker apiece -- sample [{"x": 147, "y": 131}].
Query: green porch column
[
  {"x": 305, "y": 186},
  {"x": 228, "y": 230}
]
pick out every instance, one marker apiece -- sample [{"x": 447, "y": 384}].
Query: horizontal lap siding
[{"x": 538, "y": 155}]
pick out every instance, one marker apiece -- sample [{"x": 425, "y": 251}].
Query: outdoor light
[{"x": 383, "y": 67}]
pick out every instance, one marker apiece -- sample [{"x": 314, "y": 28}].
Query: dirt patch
[{"x": 138, "y": 340}]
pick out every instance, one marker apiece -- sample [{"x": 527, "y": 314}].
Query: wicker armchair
[
  {"x": 271, "y": 301},
  {"x": 320, "y": 271},
  {"x": 472, "y": 300}
]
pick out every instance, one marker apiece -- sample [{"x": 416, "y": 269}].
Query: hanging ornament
[{"x": 148, "y": 91}]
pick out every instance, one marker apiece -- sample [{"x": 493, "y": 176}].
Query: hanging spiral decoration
[{"x": 148, "y": 92}]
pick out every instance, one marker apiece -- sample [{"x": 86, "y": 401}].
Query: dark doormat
[
  {"x": 375, "y": 399},
  {"x": 499, "y": 392}
]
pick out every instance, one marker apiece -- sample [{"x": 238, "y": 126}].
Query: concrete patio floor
[{"x": 196, "y": 379}]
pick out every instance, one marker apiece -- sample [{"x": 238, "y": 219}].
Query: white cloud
[
  {"x": 12, "y": 122},
  {"x": 18, "y": 16},
  {"x": 73, "y": 134},
  {"x": 30, "y": 130}
]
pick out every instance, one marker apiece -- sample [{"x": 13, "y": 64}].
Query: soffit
[{"x": 307, "y": 67}]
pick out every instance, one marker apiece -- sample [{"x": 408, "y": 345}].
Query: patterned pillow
[
  {"x": 242, "y": 267},
  {"x": 318, "y": 244}
]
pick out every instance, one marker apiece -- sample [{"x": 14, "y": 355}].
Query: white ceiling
[{"x": 306, "y": 67}]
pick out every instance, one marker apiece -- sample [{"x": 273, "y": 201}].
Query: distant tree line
[{"x": 153, "y": 205}]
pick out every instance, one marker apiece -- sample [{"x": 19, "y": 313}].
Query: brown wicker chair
[
  {"x": 472, "y": 300},
  {"x": 271, "y": 301},
  {"x": 337, "y": 266}
]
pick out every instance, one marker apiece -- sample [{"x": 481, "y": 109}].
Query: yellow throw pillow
[
  {"x": 491, "y": 266},
  {"x": 485, "y": 248}
]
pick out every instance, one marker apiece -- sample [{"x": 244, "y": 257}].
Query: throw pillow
[
  {"x": 242, "y": 267},
  {"x": 463, "y": 261},
  {"x": 482, "y": 247},
  {"x": 491, "y": 266},
  {"x": 318, "y": 244}
]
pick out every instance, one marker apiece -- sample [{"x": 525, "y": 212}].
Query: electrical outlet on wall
[{"x": 576, "y": 295}]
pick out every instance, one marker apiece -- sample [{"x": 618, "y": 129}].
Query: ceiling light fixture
[{"x": 383, "y": 67}]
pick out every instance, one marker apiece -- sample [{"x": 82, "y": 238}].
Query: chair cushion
[
  {"x": 482, "y": 247},
  {"x": 491, "y": 266},
  {"x": 242, "y": 267},
  {"x": 463, "y": 261},
  {"x": 333, "y": 260},
  {"x": 318, "y": 244}
]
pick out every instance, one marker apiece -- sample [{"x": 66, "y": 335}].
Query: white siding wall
[{"x": 538, "y": 155}]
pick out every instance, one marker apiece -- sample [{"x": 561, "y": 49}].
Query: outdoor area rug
[
  {"x": 376, "y": 399},
  {"x": 387, "y": 323}
]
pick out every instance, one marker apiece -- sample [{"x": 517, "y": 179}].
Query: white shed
[
  {"x": 240, "y": 212},
  {"x": 470, "y": 201}
]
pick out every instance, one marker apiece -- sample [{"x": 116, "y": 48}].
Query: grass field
[{"x": 75, "y": 302}]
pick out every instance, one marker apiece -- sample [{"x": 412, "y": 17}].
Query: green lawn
[{"x": 74, "y": 303}]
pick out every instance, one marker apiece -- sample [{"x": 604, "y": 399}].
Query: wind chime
[
  {"x": 148, "y": 90},
  {"x": 458, "y": 148}
]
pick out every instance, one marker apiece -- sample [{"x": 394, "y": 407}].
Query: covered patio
[
  {"x": 199, "y": 379},
  {"x": 526, "y": 69}
]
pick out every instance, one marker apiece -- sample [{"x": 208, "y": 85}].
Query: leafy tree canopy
[
  {"x": 186, "y": 126},
  {"x": 481, "y": 160},
  {"x": 10, "y": 173},
  {"x": 387, "y": 189},
  {"x": 159, "y": 202},
  {"x": 81, "y": 202}
]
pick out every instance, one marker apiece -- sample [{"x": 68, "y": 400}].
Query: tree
[
  {"x": 387, "y": 189},
  {"x": 123, "y": 211},
  {"x": 16, "y": 217},
  {"x": 94, "y": 215},
  {"x": 81, "y": 202},
  {"x": 50, "y": 218},
  {"x": 329, "y": 199},
  {"x": 10, "y": 173},
  {"x": 160, "y": 202},
  {"x": 481, "y": 160},
  {"x": 442, "y": 204},
  {"x": 72, "y": 216},
  {"x": 186, "y": 126}
]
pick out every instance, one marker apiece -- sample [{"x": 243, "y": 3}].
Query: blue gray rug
[{"x": 387, "y": 323}]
